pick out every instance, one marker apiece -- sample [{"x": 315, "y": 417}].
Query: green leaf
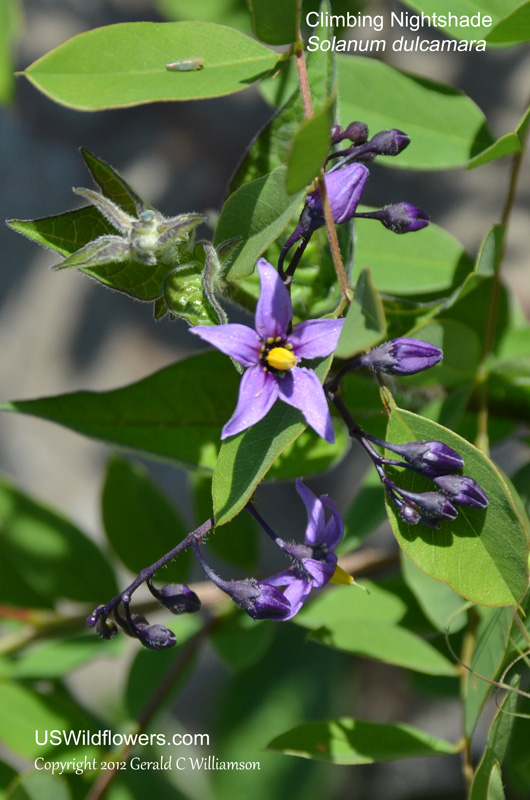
[
  {"x": 275, "y": 21},
  {"x": 368, "y": 624},
  {"x": 113, "y": 185},
  {"x": 507, "y": 145},
  {"x": 429, "y": 260},
  {"x": 491, "y": 251},
  {"x": 366, "y": 513},
  {"x": 125, "y": 65},
  {"x": 140, "y": 522},
  {"x": 515, "y": 27},
  {"x": 271, "y": 147},
  {"x": 64, "y": 233},
  {"x": 309, "y": 148},
  {"x": 309, "y": 455},
  {"x": 152, "y": 415},
  {"x": 226, "y": 12},
  {"x": 25, "y": 712},
  {"x": 44, "y": 557},
  {"x": 245, "y": 459},
  {"x": 446, "y": 128},
  {"x": 492, "y": 638},
  {"x": 256, "y": 214},
  {"x": 352, "y": 741},
  {"x": 496, "y": 9},
  {"x": 438, "y": 602},
  {"x": 462, "y": 351},
  {"x": 497, "y": 744},
  {"x": 482, "y": 554},
  {"x": 365, "y": 323},
  {"x": 39, "y": 786},
  {"x": 60, "y": 658}
]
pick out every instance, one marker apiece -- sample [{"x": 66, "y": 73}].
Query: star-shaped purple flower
[
  {"x": 271, "y": 354},
  {"x": 314, "y": 561}
]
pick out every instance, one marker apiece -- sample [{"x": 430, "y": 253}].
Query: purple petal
[
  {"x": 301, "y": 388},
  {"x": 238, "y": 341},
  {"x": 344, "y": 188},
  {"x": 316, "y": 521},
  {"x": 297, "y": 593},
  {"x": 274, "y": 311},
  {"x": 320, "y": 571},
  {"x": 334, "y": 525},
  {"x": 258, "y": 391},
  {"x": 315, "y": 338}
]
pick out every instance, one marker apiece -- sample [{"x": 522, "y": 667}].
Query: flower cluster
[
  {"x": 345, "y": 182},
  {"x": 314, "y": 564}
]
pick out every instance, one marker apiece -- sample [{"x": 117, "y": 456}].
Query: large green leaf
[
  {"x": 352, "y": 741},
  {"x": 275, "y": 21},
  {"x": 44, "y": 557},
  {"x": 256, "y": 214},
  {"x": 430, "y": 260},
  {"x": 140, "y": 522},
  {"x": 64, "y": 233},
  {"x": 438, "y": 602},
  {"x": 172, "y": 414},
  {"x": 245, "y": 459},
  {"x": 226, "y": 12},
  {"x": 515, "y": 27},
  {"x": 446, "y": 128},
  {"x": 309, "y": 148},
  {"x": 124, "y": 65},
  {"x": 482, "y": 554},
  {"x": 496, "y": 9}
]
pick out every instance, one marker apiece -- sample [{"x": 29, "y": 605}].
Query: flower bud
[
  {"x": 177, "y": 598},
  {"x": 431, "y": 458},
  {"x": 432, "y": 504},
  {"x": 258, "y": 599},
  {"x": 157, "y": 637},
  {"x": 402, "y": 356},
  {"x": 462, "y": 490},
  {"x": 344, "y": 188},
  {"x": 409, "y": 514},
  {"x": 400, "y": 217},
  {"x": 388, "y": 143},
  {"x": 356, "y": 132}
]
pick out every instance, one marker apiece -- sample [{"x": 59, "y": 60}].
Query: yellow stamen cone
[
  {"x": 341, "y": 577},
  {"x": 281, "y": 358}
]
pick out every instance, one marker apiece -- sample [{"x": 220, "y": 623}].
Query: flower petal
[
  {"x": 274, "y": 311},
  {"x": 301, "y": 388},
  {"x": 316, "y": 522},
  {"x": 335, "y": 524},
  {"x": 315, "y": 338},
  {"x": 297, "y": 593},
  {"x": 321, "y": 572},
  {"x": 238, "y": 341},
  {"x": 258, "y": 391}
]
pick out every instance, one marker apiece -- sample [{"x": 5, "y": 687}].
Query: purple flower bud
[
  {"x": 93, "y": 618},
  {"x": 344, "y": 188},
  {"x": 388, "y": 143},
  {"x": 431, "y": 458},
  {"x": 432, "y": 504},
  {"x": 400, "y": 217},
  {"x": 177, "y": 597},
  {"x": 356, "y": 132},
  {"x": 402, "y": 356},
  {"x": 258, "y": 599},
  {"x": 462, "y": 490},
  {"x": 157, "y": 637}
]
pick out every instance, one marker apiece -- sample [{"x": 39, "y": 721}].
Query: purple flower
[
  {"x": 314, "y": 562},
  {"x": 462, "y": 490},
  {"x": 271, "y": 354},
  {"x": 432, "y": 504},
  {"x": 344, "y": 188},
  {"x": 402, "y": 356}
]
